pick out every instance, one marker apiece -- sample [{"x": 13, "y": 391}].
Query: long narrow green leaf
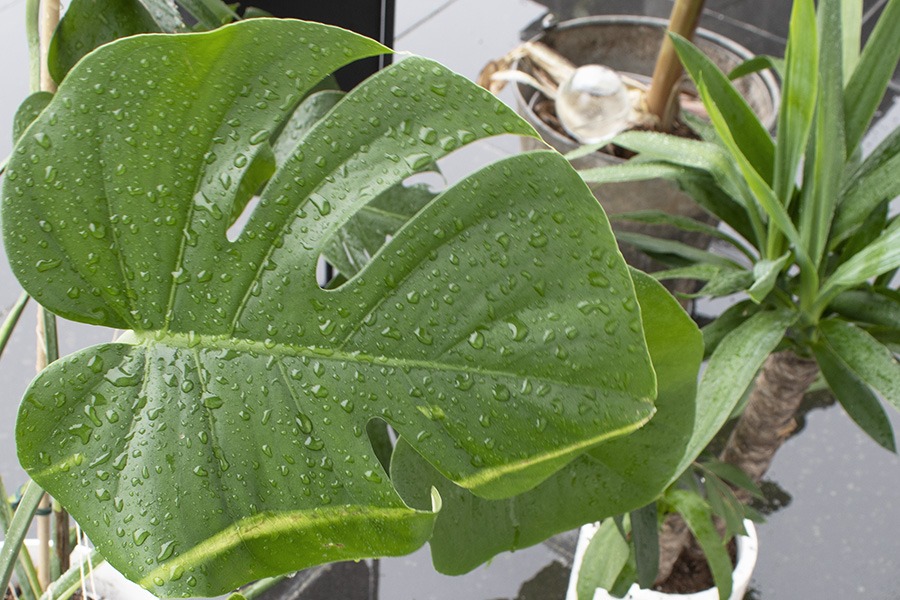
[
  {"x": 870, "y": 360},
  {"x": 15, "y": 535},
  {"x": 872, "y": 74},
  {"x": 12, "y": 319},
  {"x": 698, "y": 517},
  {"x": 25, "y": 571},
  {"x": 870, "y": 184},
  {"x": 758, "y": 63},
  {"x": 699, "y": 179},
  {"x": 851, "y": 32},
  {"x": 725, "y": 323},
  {"x": 878, "y": 257},
  {"x": 879, "y": 307},
  {"x": 731, "y": 370},
  {"x": 825, "y": 158},
  {"x": 701, "y": 271},
  {"x": 645, "y": 535},
  {"x": 872, "y": 225},
  {"x": 764, "y": 194},
  {"x": 710, "y": 196},
  {"x": 749, "y": 134},
  {"x": 660, "y": 247},
  {"x": 634, "y": 171},
  {"x": 733, "y": 475},
  {"x": 727, "y": 282},
  {"x": 658, "y": 217},
  {"x": 604, "y": 559},
  {"x": 688, "y": 153},
  {"x": 855, "y": 396},
  {"x": 798, "y": 100},
  {"x": 765, "y": 274}
]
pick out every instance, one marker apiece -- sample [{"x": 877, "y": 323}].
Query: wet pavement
[{"x": 837, "y": 536}]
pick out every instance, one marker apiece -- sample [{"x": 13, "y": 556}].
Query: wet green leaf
[
  {"x": 872, "y": 183},
  {"x": 224, "y": 440},
  {"x": 730, "y": 371},
  {"x": 645, "y": 536},
  {"x": 871, "y": 361},
  {"x": 798, "y": 99},
  {"x": 615, "y": 477},
  {"x": 855, "y": 396},
  {"x": 604, "y": 559},
  {"x": 698, "y": 517},
  {"x": 725, "y": 323},
  {"x": 765, "y": 274},
  {"x": 28, "y": 111},
  {"x": 749, "y": 134},
  {"x": 872, "y": 73},
  {"x": 88, "y": 24}
]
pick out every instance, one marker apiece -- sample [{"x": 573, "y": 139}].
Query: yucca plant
[{"x": 815, "y": 245}]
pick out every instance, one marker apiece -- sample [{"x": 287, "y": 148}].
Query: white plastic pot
[{"x": 747, "y": 552}]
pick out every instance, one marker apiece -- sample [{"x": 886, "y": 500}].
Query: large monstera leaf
[
  {"x": 498, "y": 331},
  {"x": 615, "y": 477}
]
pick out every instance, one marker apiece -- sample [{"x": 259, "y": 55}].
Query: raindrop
[{"x": 140, "y": 536}]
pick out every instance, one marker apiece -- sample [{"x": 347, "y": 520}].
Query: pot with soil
[
  {"x": 746, "y": 550},
  {"x": 629, "y": 45}
]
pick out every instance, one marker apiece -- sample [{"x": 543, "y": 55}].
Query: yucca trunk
[
  {"x": 768, "y": 419},
  {"x": 765, "y": 424}
]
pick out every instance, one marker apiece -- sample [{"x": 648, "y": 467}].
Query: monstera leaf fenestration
[{"x": 498, "y": 331}]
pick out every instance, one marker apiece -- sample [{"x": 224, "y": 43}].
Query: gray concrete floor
[{"x": 838, "y": 538}]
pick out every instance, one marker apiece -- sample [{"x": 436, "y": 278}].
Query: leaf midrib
[{"x": 281, "y": 349}]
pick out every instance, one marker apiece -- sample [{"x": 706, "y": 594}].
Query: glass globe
[{"x": 593, "y": 104}]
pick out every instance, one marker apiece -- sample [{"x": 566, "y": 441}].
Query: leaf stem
[
  {"x": 18, "y": 527},
  {"x": 12, "y": 319},
  {"x": 28, "y": 579}
]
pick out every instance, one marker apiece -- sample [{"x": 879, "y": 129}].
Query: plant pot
[
  {"x": 102, "y": 582},
  {"x": 630, "y": 44},
  {"x": 747, "y": 552}
]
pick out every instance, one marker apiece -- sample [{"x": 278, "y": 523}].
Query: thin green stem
[
  {"x": 51, "y": 340},
  {"x": 18, "y": 527},
  {"x": 254, "y": 590},
  {"x": 25, "y": 571},
  {"x": 12, "y": 319},
  {"x": 70, "y": 581},
  {"x": 32, "y": 33}
]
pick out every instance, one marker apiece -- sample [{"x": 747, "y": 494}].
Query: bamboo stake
[
  {"x": 49, "y": 19},
  {"x": 662, "y": 98},
  {"x": 46, "y": 340}
]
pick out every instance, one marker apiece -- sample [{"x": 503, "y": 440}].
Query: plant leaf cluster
[
  {"x": 184, "y": 188},
  {"x": 815, "y": 237},
  {"x": 812, "y": 236}
]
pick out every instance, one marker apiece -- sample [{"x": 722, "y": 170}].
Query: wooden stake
[{"x": 662, "y": 98}]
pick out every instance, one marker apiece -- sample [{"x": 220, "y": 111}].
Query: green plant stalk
[
  {"x": 12, "y": 319},
  {"x": 28, "y": 579},
  {"x": 18, "y": 528},
  {"x": 254, "y": 590},
  {"x": 70, "y": 581}
]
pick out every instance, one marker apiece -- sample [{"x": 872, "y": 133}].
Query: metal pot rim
[{"x": 726, "y": 43}]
